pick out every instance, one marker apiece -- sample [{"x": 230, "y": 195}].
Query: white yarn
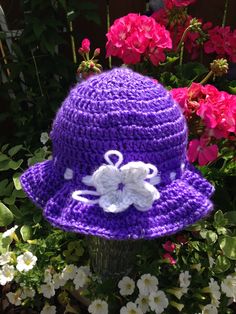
[{"x": 119, "y": 188}]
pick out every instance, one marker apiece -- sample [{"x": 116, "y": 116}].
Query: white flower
[
  {"x": 184, "y": 279},
  {"x": 69, "y": 272},
  {"x": 5, "y": 258},
  {"x": 9, "y": 232},
  {"x": 44, "y": 138},
  {"x": 147, "y": 284},
  {"x": 98, "y": 307},
  {"x": 143, "y": 303},
  {"x": 209, "y": 309},
  {"x": 58, "y": 281},
  {"x": 130, "y": 308},
  {"x": 47, "y": 290},
  {"x": 126, "y": 285},
  {"x": 6, "y": 274},
  {"x": 211, "y": 261},
  {"x": 158, "y": 301},
  {"x": 119, "y": 188},
  {"x": 86, "y": 270},
  {"x": 48, "y": 309},
  {"x": 14, "y": 297},
  {"x": 27, "y": 292},
  {"x": 47, "y": 275},
  {"x": 215, "y": 292},
  {"x": 178, "y": 292},
  {"x": 80, "y": 279},
  {"x": 228, "y": 286},
  {"x": 26, "y": 261}
]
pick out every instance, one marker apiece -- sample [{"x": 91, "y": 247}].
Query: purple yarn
[{"x": 125, "y": 111}]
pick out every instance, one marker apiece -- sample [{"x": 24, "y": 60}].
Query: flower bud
[
  {"x": 85, "y": 45},
  {"x": 219, "y": 67},
  {"x": 96, "y": 52},
  {"x": 195, "y": 25}
]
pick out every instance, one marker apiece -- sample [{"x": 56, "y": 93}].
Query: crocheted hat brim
[{"x": 182, "y": 203}]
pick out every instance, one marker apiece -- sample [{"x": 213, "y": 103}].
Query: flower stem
[
  {"x": 181, "y": 54},
  {"x": 207, "y": 77},
  {"x": 108, "y": 26},
  {"x": 225, "y": 13},
  {"x": 182, "y": 39},
  {"x": 72, "y": 39},
  {"x": 37, "y": 74}
]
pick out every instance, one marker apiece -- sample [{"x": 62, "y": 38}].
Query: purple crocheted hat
[{"x": 119, "y": 168}]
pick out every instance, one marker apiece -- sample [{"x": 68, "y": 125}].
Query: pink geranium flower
[
  {"x": 199, "y": 151},
  {"x": 169, "y": 258},
  {"x": 169, "y": 246},
  {"x": 170, "y": 4},
  {"x": 85, "y": 46},
  {"x": 135, "y": 37}
]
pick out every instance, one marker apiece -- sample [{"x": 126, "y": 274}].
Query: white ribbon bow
[{"x": 118, "y": 187}]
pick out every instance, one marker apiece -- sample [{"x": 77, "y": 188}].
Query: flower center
[{"x": 121, "y": 186}]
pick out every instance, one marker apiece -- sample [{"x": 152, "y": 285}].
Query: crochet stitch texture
[{"x": 125, "y": 111}]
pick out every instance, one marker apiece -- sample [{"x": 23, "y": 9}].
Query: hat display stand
[{"x": 112, "y": 258}]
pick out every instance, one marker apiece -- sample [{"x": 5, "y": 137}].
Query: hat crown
[{"x": 119, "y": 110}]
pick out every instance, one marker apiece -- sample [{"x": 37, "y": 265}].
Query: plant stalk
[
  {"x": 225, "y": 13},
  {"x": 207, "y": 77},
  {"x": 72, "y": 39},
  {"x": 37, "y": 74}
]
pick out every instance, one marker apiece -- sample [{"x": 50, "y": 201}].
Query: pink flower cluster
[
  {"x": 222, "y": 41},
  {"x": 170, "y": 4},
  {"x": 135, "y": 36},
  {"x": 179, "y": 23},
  {"x": 213, "y": 111}
]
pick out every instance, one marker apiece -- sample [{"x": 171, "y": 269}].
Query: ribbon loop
[{"x": 115, "y": 153}]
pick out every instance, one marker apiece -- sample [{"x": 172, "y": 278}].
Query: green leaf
[
  {"x": 3, "y": 157},
  {"x": 16, "y": 180},
  {"x": 222, "y": 264},
  {"x": 219, "y": 219},
  {"x": 4, "y": 244},
  {"x": 231, "y": 218},
  {"x": 6, "y": 216},
  {"x": 14, "y": 150},
  {"x": 15, "y": 164},
  {"x": 211, "y": 237},
  {"x": 26, "y": 232},
  {"x": 228, "y": 246}
]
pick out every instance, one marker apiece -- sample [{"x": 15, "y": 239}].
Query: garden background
[{"x": 39, "y": 42}]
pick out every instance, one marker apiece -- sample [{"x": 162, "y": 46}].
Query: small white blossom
[
  {"x": 14, "y": 297},
  {"x": 47, "y": 290},
  {"x": 184, "y": 279},
  {"x": 178, "y": 292},
  {"x": 158, "y": 301},
  {"x": 9, "y": 232},
  {"x": 98, "y": 307},
  {"x": 58, "y": 281},
  {"x": 130, "y": 308},
  {"x": 27, "y": 292},
  {"x": 26, "y": 261},
  {"x": 143, "y": 303},
  {"x": 6, "y": 274},
  {"x": 44, "y": 138},
  {"x": 209, "y": 309},
  {"x": 48, "y": 309},
  {"x": 86, "y": 270},
  {"x": 80, "y": 279},
  {"x": 228, "y": 286},
  {"x": 211, "y": 261},
  {"x": 126, "y": 285},
  {"x": 215, "y": 292},
  {"x": 47, "y": 275},
  {"x": 5, "y": 258},
  {"x": 69, "y": 272},
  {"x": 147, "y": 284}
]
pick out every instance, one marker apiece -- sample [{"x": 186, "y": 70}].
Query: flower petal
[
  {"x": 106, "y": 179},
  {"x": 134, "y": 171},
  {"x": 115, "y": 201}
]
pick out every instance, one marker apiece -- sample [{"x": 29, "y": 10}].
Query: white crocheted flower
[{"x": 119, "y": 188}]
